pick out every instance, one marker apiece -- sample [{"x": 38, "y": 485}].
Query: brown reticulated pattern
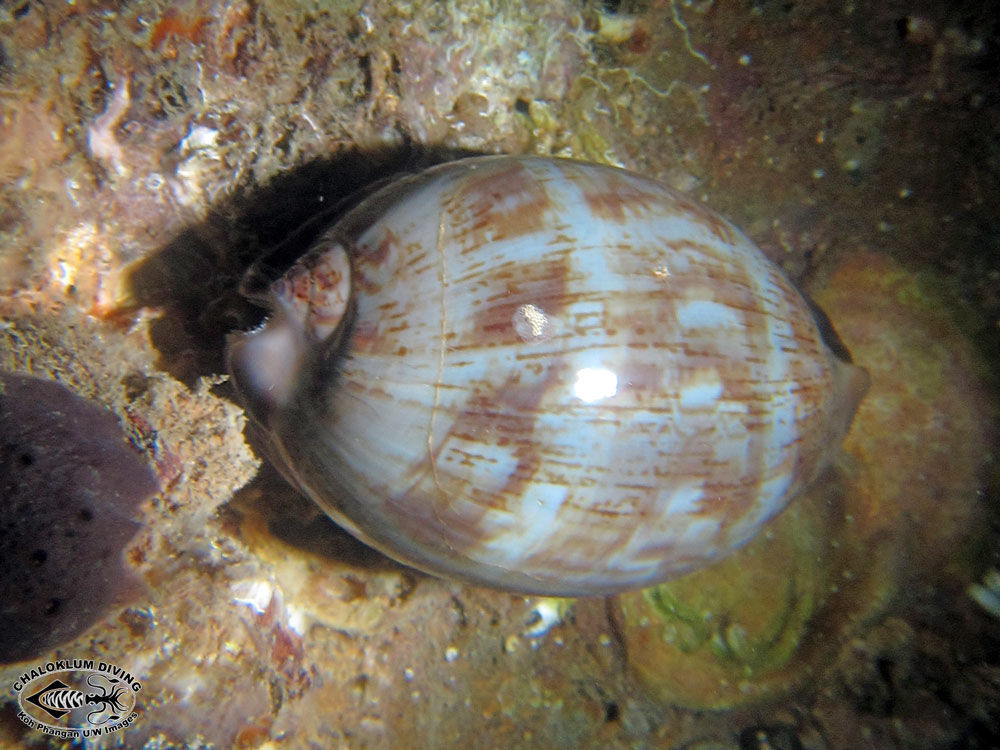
[{"x": 566, "y": 371}]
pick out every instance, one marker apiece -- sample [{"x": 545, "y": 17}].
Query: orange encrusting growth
[{"x": 173, "y": 23}]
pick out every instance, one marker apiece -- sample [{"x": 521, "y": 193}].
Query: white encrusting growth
[{"x": 101, "y": 138}]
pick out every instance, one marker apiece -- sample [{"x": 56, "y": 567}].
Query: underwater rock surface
[{"x": 70, "y": 485}]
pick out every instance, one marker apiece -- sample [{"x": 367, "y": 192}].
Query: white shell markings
[
  {"x": 704, "y": 313},
  {"x": 681, "y": 501},
  {"x": 528, "y": 527},
  {"x": 701, "y": 390}
]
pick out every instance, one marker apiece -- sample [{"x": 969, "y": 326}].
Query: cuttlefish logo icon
[{"x": 73, "y": 698}]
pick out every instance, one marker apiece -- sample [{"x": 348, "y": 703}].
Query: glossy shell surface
[{"x": 544, "y": 375}]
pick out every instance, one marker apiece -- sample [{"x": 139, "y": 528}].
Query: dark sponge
[{"x": 70, "y": 487}]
